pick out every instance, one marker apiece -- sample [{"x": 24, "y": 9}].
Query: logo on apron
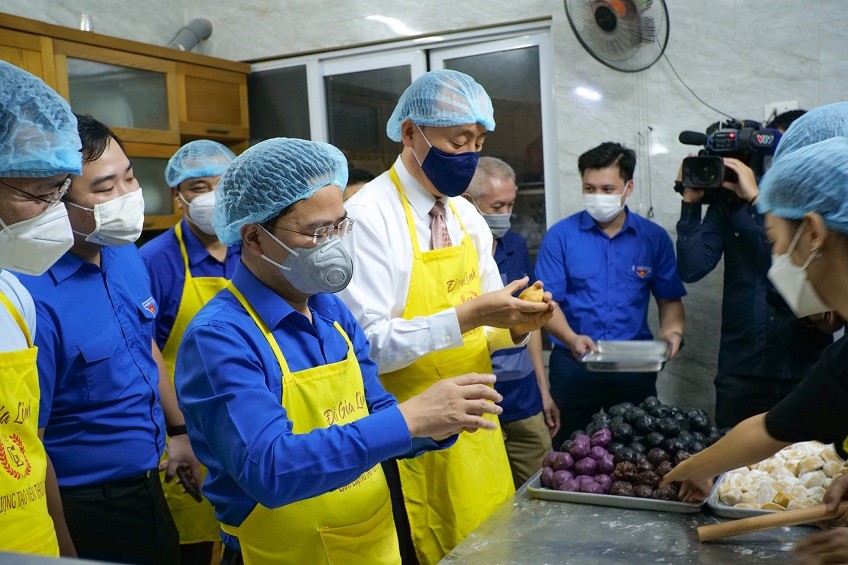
[{"x": 13, "y": 456}]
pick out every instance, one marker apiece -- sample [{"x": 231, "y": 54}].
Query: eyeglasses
[
  {"x": 324, "y": 233},
  {"x": 52, "y": 198}
]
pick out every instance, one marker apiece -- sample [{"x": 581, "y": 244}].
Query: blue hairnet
[
  {"x": 195, "y": 159},
  {"x": 809, "y": 179},
  {"x": 442, "y": 98},
  {"x": 271, "y": 176},
  {"x": 816, "y": 125},
  {"x": 38, "y": 131}
]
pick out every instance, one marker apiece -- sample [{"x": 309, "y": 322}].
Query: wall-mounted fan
[{"x": 625, "y": 35}]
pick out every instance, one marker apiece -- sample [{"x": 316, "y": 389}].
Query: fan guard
[{"x": 625, "y": 35}]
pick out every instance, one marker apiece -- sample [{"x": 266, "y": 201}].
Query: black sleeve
[{"x": 818, "y": 407}]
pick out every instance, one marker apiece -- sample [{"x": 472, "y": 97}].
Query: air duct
[{"x": 191, "y": 34}]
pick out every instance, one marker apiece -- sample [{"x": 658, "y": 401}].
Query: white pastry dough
[{"x": 795, "y": 477}]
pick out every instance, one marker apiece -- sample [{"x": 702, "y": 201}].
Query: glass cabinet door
[
  {"x": 149, "y": 162},
  {"x": 132, "y": 94}
]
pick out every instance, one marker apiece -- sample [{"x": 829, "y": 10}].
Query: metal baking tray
[
  {"x": 538, "y": 491},
  {"x": 627, "y": 356},
  {"x": 726, "y": 511}
]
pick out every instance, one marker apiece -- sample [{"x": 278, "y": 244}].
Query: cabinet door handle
[{"x": 221, "y": 131}]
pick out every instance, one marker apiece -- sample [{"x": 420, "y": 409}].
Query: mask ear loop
[
  {"x": 289, "y": 249},
  {"x": 814, "y": 254},
  {"x": 425, "y": 139}
]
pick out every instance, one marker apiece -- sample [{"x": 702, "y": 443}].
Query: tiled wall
[{"x": 735, "y": 54}]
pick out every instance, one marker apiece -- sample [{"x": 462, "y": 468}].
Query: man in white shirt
[{"x": 429, "y": 296}]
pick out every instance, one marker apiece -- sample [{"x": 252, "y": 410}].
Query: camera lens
[{"x": 707, "y": 173}]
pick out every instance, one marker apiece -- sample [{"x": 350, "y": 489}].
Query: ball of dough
[
  {"x": 642, "y": 491},
  {"x": 532, "y": 294},
  {"x": 621, "y": 488},
  {"x": 649, "y": 478}
]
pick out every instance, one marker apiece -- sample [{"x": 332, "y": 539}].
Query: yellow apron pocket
[{"x": 373, "y": 541}]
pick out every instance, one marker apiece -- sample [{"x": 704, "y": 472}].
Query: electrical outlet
[{"x": 773, "y": 109}]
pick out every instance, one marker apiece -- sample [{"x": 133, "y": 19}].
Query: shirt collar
[
  {"x": 420, "y": 200},
  {"x": 270, "y": 306},
  {"x": 67, "y": 265},
  {"x": 587, "y": 222},
  {"x": 197, "y": 253}
]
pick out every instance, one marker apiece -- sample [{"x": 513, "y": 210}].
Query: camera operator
[{"x": 765, "y": 350}]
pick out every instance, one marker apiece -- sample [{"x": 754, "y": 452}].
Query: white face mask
[
  {"x": 33, "y": 245},
  {"x": 792, "y": 283},
  {"x": 200, "y": 211},
  {"x": 117, "y": 222},
  {"x": 603, "y": 207}
]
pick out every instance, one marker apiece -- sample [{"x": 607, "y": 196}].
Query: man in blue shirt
[
  {"x": 188, "y": 266},
  {"x": 103, "y": 406},
  {"x": 765, "y": 350},
  {"x": 530, "y": 417},
  {"x": 602, "y": 265},
  {"x": 282, "y": 400}
]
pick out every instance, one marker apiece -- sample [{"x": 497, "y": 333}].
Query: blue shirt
[
  {"x": 229, "y": 386},
  {"x": 516, "y": 377},
  {"x": 164, "y": 262},
  {"x": 604, "y": 284},
  {"x": 760, "y": 337},
  {"x": 99, "y": 383}
]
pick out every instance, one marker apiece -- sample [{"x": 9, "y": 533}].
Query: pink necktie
[{"x": 439, "y": 236}]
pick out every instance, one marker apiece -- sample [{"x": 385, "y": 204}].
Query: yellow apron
[
  {"x": 25, "y": 524},
  {"x": 351, "y": 525},
  {"x": 447, "y": 493},
  {"x": 195, "y": 521}
]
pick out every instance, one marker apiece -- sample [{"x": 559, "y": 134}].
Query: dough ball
[
  {"x": 642, "y": 491},
  {"x": 657, "y": 456},
  {"x": 532, "y": 294},
  {"x": 644, "y": 465},
  {"x": 649, "y": 478},
  {"x": 621, "y": 488}
]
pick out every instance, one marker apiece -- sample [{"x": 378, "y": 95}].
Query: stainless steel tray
[
  {"x": 538, "y": 491},
  {"x": 627, "y": 356}
]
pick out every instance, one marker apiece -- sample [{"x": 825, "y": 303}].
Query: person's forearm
[
  {"x": 167, "y": 394},
  {"x": 749, "y": 442},
  {"x": 672, "y": 316},
  {"x": 55, "y": 509},
  {"x": 534, "y": 348},
  {"x": 559, "y": 328}
]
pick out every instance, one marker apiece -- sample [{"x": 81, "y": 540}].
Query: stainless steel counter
[{"x": 527, "y": 531}]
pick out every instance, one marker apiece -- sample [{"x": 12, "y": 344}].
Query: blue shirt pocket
[{"x": 104, "y": 378}]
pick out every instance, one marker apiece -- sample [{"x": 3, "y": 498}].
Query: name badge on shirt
[
  {"x": 149, "y": 305},
  {"x": 641, "y": 271}
]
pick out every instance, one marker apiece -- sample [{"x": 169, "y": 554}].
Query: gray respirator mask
[{"x": 327, "y": 267}]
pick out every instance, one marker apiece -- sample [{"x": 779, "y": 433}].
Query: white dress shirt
[
  {"x": 382, "y": 265},
  {"x": 11, "y": 338}
]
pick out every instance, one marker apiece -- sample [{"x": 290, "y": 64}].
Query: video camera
[{"x": 747, "y": 141}]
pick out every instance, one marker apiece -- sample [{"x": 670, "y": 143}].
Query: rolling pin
[{"x": 768, "y": 521}]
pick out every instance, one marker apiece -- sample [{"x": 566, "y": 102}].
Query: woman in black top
[{"x": 805, "y": 198}]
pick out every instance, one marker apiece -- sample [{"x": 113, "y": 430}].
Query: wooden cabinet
[
  {"x": 212, "y": 102},
  {"x": 30, "y": 52},
  {"x": 154, "y": 98},
  {"x": 133, "y": 94}
]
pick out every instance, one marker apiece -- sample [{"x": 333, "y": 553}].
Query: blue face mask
[{"x": 450, "y": 173}]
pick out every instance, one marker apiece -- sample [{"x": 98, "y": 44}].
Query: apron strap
[
  {"x": 266, "y": 331},
  {"x": 17, "y": 317},
  {"x": 178, "y": 231}
]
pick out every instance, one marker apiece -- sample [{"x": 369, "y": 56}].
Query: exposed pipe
[{"x": 191, "y": 34}]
